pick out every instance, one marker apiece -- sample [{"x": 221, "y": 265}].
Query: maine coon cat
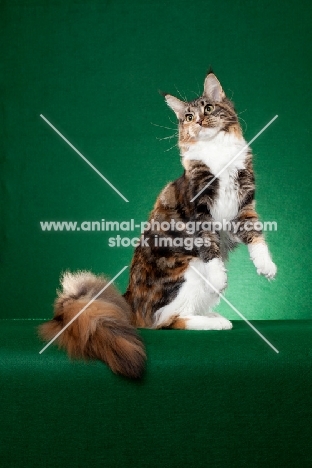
[{"x": 166, "y": 287}]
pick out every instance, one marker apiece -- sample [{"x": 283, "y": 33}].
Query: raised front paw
[
  {"x": 260, "y": 255},
  {"x": 267, "y": 268}
]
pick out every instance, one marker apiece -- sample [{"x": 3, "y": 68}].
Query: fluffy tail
[{"x": 103, "y": 331}]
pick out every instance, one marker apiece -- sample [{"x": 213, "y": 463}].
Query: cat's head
[{"x": 205, "y": 117}]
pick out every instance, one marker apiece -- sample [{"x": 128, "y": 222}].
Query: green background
[{"x": 93, "y": 69}]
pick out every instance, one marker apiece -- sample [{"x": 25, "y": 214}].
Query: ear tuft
[
  {"x": 176, "y": 105},
  {"x": 213, "y": 89},
  {"x": 162, "y": 93}
]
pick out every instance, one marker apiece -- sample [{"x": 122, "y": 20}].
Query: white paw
[
  {"x": 221, "y": 323},
  {"x": 198, "y": 322},
  {"x": 268, "y": 269},
  {"x": 260, "y": 255}
]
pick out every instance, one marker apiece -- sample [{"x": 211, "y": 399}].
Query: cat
[{"x": 174, "y": 283}]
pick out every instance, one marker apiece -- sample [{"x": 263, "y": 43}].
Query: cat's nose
[{"x": 200, "y": 121}]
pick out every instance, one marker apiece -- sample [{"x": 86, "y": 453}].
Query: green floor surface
[{"x": 208, "y": 399}]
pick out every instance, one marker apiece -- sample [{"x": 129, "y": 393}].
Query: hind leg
[
  {"x": 197, "y": 322},
  {"x": 191, "y": 309}
]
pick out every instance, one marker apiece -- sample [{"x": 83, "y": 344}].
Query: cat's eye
[
  {"x": 189, "y": 117},
  {"x": 208, "y": 108}
]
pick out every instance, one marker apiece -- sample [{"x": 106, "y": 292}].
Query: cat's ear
[
  {"x": 213, "y": 89},
  {"x": 176, "y": 105}
]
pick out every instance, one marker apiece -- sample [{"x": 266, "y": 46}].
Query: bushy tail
[{"x": 103, "y": 331}]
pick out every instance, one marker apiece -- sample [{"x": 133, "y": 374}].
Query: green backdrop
[{"x": 93, "y": 69}]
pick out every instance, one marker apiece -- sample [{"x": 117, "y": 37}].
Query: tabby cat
[{"x": 173, "y": 283}]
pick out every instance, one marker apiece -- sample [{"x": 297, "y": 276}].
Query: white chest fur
[
  {"x": 217, "y": 153},
  {"x": 225, "y": 206}
]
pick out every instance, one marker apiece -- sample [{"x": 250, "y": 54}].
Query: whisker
[
  {"x": 231, "y": 121},
  {"x": 184, "y": 98},
  {"x": 196, "y": 94},
  {"x": 199, "y": 93},
  {"x": 228, "y": 121},
  {"x": 168, "y": 137},
  {"x": 174, "y": 123},
  {"x": 171, "y": 147},
  {"x": 232, "y": 94},
  {"x": 240, "y": 118},
  {"x": 168, "y": 128}
]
